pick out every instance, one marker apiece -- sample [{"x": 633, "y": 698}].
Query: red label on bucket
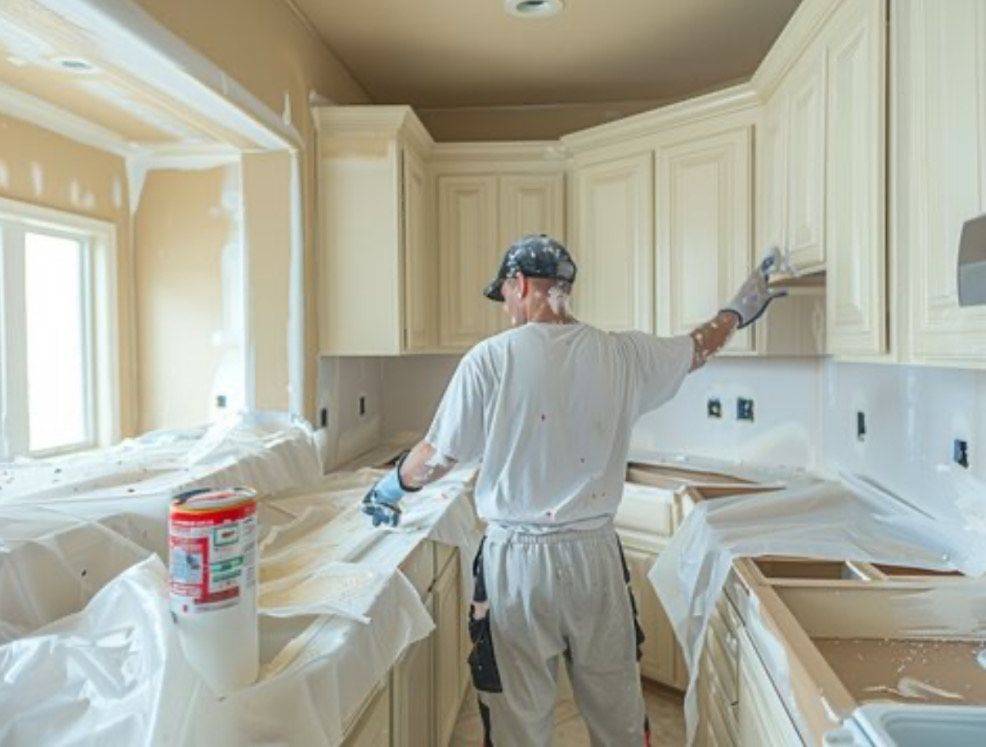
[{"x": 212, "y": 543}]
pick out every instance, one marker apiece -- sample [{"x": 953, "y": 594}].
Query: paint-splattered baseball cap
[{"x": 535, "y": 256}]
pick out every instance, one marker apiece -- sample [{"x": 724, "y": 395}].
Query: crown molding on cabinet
[
  {"x": 537, "y": 150},
  {"x": 690, "y": 111},
  {"x": 373, "y": 122},
  {"x": 806, "y": 23}
]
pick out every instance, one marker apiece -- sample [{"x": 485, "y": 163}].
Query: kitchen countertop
[{"x": 824, "y": 673}]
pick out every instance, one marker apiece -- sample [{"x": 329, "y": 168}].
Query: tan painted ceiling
[
  {"x": 111, "y": 96},
  {"x": 450, "y": 53}
]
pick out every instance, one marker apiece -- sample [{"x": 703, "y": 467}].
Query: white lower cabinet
[
  {"x": 763, "y": 719},
  {"x": 373, "y": 727},
  {"x": 448, "y": 666},
  {"x": 413, "y": 694},
  {"x": 661, "y": 660}
]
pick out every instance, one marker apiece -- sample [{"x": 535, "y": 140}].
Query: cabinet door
[
  {"x": 529, "y": 203},
  {"x": 613, "y": 243},
  {"x": 704, "y": 214},
  {"x": 806, "y": 162},
  {"x": 772, "y": 152},
  {"x": 941, "y": 121},
  {"x": 420, "y": 259},
  {"x": 763, "y": 719},
  {"x": 854, "y": 228},
  {"x": 373, "y": 727},
  {"x": 660, "y": 646},
  {"x": 467, "y": 246},
  {"x": 448, "y": 619},
  {"x": 412, "y": 692}
]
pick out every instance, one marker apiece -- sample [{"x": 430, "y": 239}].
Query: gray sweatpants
[{"x": 553, "y": 597}]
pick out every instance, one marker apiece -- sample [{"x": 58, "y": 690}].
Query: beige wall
[
  {"x": 181, "y": 229},
  {"x": 40, "y": 167},
  {"x": 267, "y": 48}
]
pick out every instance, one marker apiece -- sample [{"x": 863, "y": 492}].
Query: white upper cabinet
[
  {"x": 940, "y": 167},
  {"x": 613, "y": 242},
  {"x": 791, "y": 181},
  {"x": 468, "y": 249},
  {"x": 420, "y": 258},
  {"x": 531, "y": 204},
  {"x": 805, "y": 203},
  {"x": 856, "y": 259},
  {"x": 373, "y": 218},
  {"x": 704, "y": 227}
]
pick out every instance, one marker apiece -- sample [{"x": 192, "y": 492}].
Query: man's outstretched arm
[
  {"x": 749, "y": 303},
  {"x": 421, "y": 465}
]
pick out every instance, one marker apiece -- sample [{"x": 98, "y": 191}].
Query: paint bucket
[{"x": 212, "y": 546}]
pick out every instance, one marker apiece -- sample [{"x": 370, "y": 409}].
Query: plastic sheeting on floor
[
  {"x": 90, "y": 653},
  {"x": 854, "y": 519}
]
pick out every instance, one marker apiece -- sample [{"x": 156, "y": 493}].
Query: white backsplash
[
  {"x": 804, "y": 414},
  {"x": 786, "y": 429}
]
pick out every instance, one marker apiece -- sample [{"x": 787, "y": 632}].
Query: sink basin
[
  {"x": 922, "y": 725},
  {"x": 805, "y": 569}
]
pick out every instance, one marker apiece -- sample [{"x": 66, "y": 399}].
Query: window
[{"x": 57, "y": 332}]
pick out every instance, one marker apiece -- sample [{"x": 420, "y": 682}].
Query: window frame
[{"x": 100, "y": 325}]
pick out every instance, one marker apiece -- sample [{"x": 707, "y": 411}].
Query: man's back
[{"x": 554, "y": 405}]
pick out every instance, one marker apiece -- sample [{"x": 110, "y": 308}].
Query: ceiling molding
[
  {"x": 806, "y": 22},
  {"x": 21, "y": 105},
  {"x": 690, "y": 111}
]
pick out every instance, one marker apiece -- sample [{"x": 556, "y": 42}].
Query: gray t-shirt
[{"x": 549, "y": 409}]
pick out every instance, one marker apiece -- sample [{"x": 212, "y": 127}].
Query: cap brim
[{"x": 494, "y": 291}]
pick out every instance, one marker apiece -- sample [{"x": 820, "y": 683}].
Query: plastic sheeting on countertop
[
  {"x": 856, "y": 520},
  {"x": 90, "y": 653}
]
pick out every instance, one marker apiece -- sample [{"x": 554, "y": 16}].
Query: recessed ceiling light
[
  {"x": 74, "y": 64},
  {"x": 533, "y": 8}
]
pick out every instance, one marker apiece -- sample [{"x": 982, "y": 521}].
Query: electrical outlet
[
  {"x": 860, "y": 425},
  {"x": 221, "y": 401},
  {"x": 960, "y": 452},
  {"x": 323, "y": 417},
  {"x": 744, "y": 409},
  {"x": 713, "y": 408},
  {"x": 362, "y": 405}
]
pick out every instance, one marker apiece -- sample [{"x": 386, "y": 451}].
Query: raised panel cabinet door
[
  {"x": 941, "y": 121},
  {"x": 763, "y": 719},
  {"x": 529, "y": 204},
  {"x": 467, "y": 247},
  {"x": 772, "y": 171},
  {"x": 806, "y": 164},
  {"x": 856, "y": 258},
  {"x": 373, "y": 727},
  {"x": 448, "y": 612},
  {"x": 412, "y": 695},
  {"x": 657, "y": 662},
  {"x": 704, "y": 216},
  {"x": 612, "y": 242},
  {"x": 420, "y": 259}
]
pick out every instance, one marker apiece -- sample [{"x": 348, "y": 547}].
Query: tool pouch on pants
[{"x": 482, "y": 661}]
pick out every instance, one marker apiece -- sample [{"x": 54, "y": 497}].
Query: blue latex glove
[{"x": 381, "y": 502}]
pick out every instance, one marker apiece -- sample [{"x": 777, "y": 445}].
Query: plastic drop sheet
[
  {"x": 853, "y": 519},
  {"x": 88, "y": 650}
]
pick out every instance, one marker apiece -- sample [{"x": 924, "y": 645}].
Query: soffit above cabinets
[
  {"x": 59, "y": 74},
  {"x": 449, "y": 53}
]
